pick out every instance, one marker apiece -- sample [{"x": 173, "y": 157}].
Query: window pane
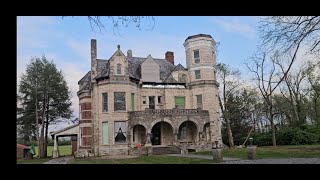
[
  {"x": 199, "y": 101},
  {"x": 118, "y": 68},
  {"x": 180, "y": 102},
  {"x": 159, "y": 99},
  {"x": 104, "y": 102},
  {"x": 119, "y": 101},
  {"x": 196, "y": 54},
  {"x": 151, "y": 102},
  {"x": 120, "y": 135},
  {"x": 197, "y": 73}
]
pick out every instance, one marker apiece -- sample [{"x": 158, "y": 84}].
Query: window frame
[
  {"x": 199, "y": 75},
  {"x": 196, "y": 60},
  {"x": 104, "y": 103}
]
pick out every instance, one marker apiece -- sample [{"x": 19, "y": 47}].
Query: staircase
[{"x": 165, "y": 150}]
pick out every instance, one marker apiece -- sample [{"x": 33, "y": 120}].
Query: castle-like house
[{"x": 127, "y": 102}]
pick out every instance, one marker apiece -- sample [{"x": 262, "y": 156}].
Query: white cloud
[
  {"x": 234, "y": 25},
  {"x": 80, "y": 48}
]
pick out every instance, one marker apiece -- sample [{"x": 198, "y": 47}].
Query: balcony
[{"x": 170, "y": 112}]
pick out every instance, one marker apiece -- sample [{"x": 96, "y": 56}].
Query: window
[
  {"x": 159, "y": 99},
  {"x": 197, "y": 73},
  {"x": 105, "y": 137},
  {"x": 151, "y": 102},
  {"x": 132, "y": 101},
  {"x": 120, "y": 134},
  {"x": 180, "y": 102},
  {"x": 119, "y": 101},
  {"x": 118, "y": 68},
  {"x": 184, "y": 78},
  {"x": 104, "y": 102},
  {"x": 214, "y": 75},
  {"x": 196, "y": 56},
  {"x": 199, "y": 101},
  {"x": 144, "y": 100}
]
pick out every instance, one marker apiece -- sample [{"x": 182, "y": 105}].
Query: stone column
[
  {"x": 251, "y": 152},
  {"x": 55, "y": 152},
  {"x": 148, "y": 141},
  {"x": 175, "y": 142}
]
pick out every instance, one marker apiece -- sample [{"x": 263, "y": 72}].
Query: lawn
[
  {"x": 64, "y": 150},
  {"x": 32, "y": 161},
  {"x": 155, "y": 159},
  {"x": 296, "y": 151}
]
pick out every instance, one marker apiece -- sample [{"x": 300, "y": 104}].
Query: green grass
[
  {"x": 296, "y": 151},
  {"x": 32, "y": 161},
  {"x": 156, "y": 159},
  {"x": 64, "y": 150}
]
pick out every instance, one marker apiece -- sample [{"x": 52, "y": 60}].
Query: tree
[
  {"x": 101, "y": 22},
  {"x": 266, "y": 76},
  {"x": 229, "y": 81},
  {"x": 44, "y": 91},
  {"x": 288, "y": 32}
]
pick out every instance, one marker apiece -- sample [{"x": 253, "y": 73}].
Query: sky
[{"x": 66, "y": 41}]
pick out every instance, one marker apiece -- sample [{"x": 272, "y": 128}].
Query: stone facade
[{"x": 127, "y": 102}]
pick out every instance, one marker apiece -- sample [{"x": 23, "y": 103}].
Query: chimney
[
  {"x": 93, "y": 59},
  {"x": 170, "y": 57},
  {"x": 129, "y": 53}
]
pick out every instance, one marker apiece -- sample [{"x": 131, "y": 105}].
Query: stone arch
[
  {"x": 188, "y": 131},
  {"x": 162, "y": 133},
  {"x": 139, "y": 134},
  {"x": 195, "y": 122},
  {"x": 160, "y": 120}
]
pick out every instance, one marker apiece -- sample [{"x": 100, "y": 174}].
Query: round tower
[
  {"x": 201, "y": 58},
  {"x": 201, "y": 65}
]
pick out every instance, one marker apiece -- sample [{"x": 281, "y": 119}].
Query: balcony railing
[{"x": 170, "y": 112}]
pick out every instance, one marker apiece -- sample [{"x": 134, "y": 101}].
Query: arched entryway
[
  {"x": 206, "y": 132},
  {"x": 139, "y": 134},
  {"x": 162, "y": 134},
  {"x": 188, "y": 132}
]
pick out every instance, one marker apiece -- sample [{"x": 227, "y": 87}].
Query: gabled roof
[
  {"x": 179, "y": 67},
  {"x": 134, "y": 68}
]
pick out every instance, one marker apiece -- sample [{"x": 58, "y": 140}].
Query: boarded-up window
[
  {"x": 86, "y": 115},
  {"x": 120, "y": 134},
  {"x": 85, "y": 106},
  {"x": 180, "y": 102},
  {"x": 198, "y": 74},
  {"x": 105, "y": 137},
  {"x": 199, "y": 101},
  {"x": 118, "y": 68},
  {"x": 119, "y": 101},
  {"x": 104, "y": 102},
  {"x": 196, "y": 56},
  {"x": 86, "y": 131},
  {"x": 151, "y": 102},
  {"x": 86, "y": 141}
]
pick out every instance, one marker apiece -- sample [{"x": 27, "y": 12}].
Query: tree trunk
[
  {"x": 41, "y": 148},
  {"x": 37, "y": 125},
  {"x": 230, "y": 137},
  {"x": 273, "y": 130},
  {"x": 46, "y": 130}
]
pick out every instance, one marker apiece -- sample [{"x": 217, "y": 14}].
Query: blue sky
[{"x": 67, "y": 41}]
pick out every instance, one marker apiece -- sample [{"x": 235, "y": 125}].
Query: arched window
[
  {"x": 184, "y": 78},
  {"x": 118, "y": 68}
]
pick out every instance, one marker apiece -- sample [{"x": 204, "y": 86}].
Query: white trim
[{"x": 201, "y": 67}]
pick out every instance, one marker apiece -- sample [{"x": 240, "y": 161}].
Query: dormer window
[
  {"x": 184, "y": 78},
  {"x": 196, "y": 56},
  {"x": 118, "y": 68}
]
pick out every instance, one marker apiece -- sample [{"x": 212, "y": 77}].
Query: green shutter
[
  {"x": 180, "y": 101},
  {"x": 132, "y": 101},
  {"x": 105, "y": 132}
]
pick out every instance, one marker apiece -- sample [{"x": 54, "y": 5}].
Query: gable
[{"x": 150, "y": 70}]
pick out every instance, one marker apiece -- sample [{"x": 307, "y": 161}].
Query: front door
[{"x": 156, "y": 134}]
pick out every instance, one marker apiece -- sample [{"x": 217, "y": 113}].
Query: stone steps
[{"x": 166, "y": 150}]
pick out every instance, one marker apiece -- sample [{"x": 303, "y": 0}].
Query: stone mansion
[{"x": 130, "y": 104}]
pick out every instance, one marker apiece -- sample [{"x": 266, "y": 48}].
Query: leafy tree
[{"x": 45, "y": 95}]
